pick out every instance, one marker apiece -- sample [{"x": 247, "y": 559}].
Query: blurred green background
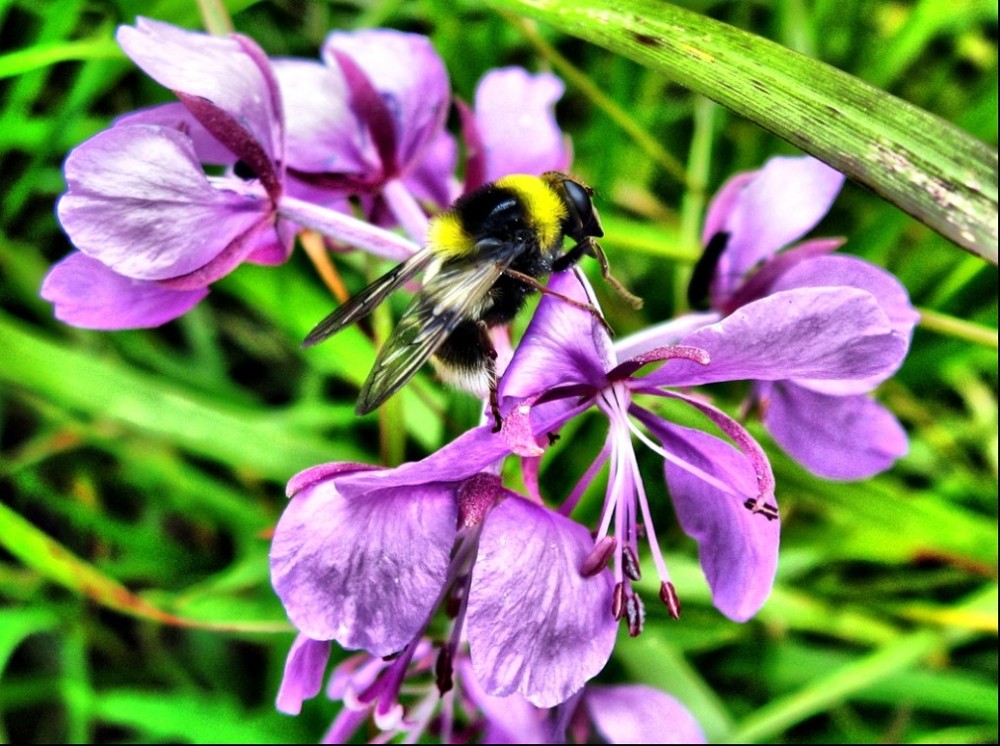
[{"x": 141, "y": 472}]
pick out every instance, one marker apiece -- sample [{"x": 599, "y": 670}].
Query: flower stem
[{"x": 958, "y": 328}]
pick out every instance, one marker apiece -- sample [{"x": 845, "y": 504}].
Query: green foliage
[{"x": 141, "y": 472}]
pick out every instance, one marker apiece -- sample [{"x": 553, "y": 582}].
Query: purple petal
[
  {"x": 521, "y": 138},
  {"x": 304, "y": 670},
  {"x": 510, "y": 719},
  {"x": 229, "y": 73},
  {"x": 850, "y": 271},
  {"x": 139, "y": 202},
  {"x": 475, "y": 451},
  {"x": 89, "y": 295},
  {"x": 835, "y": 437},
  {"x": 411, "y": 77},
  {"x": 323, "y": 134},
  {"x": 824, "y": 333},
  {"x": 738, "y": 549},
  {"x": 781, "y": 203},
  {"x": 176, "y": 116},
  {"x": 633, "y": 713},
  {"x": 433, "y": 177},
  {"x": 366, "y": 571},
  {"x": 536, "y": 625},
  {"x": 562, "y": 346},
  {"x": 761, "y": 282}
]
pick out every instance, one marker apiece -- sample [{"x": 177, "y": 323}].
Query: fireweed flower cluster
[
  {"x": 373, "y": 688},
  {"x": 522, "y": 601},
  {"x": 286, "y": 144},
  {"x": 830, "y": 425}
]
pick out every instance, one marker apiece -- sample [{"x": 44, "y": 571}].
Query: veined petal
[
  {"x": 221, "y": 70},
  {"x": 323, "y": 133},
  {"x": 433, "y": 178},
  {"x": 826, "y": 332},
  {"x": 562, "y": 346},
  {"x": 411, "y": 78},
  {"x": 475, "y": 451},
  {"x": 738, "y": 549},
  {"x": 536, "y": 625},
  {"x": 510, "y": 719},
  {"x": 633, "y": 713},
  {"x": 781, "y": 203},
  {"x": 835, "y": 437},
  {"x": 176, "y": 116},
  {"x": 139, "y": 202},
  {"x": 363, "y": 571},
  {"x": 850, "y": 271},
  {"x": 305, "y": 667},
  {"x": 515, "y": 116},
  {"x": 89, "y": 295}
]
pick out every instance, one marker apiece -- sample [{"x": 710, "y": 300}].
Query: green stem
[
  {"x": 950, "y": 326},
  {"x": 215, "y": 17}
]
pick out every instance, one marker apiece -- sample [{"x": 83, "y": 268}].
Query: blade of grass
[{"x": 934, "y": 171}]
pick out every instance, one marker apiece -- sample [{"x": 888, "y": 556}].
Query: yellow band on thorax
[{"x": 545, "y": 211}]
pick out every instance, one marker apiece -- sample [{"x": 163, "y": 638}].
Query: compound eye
[
  {"x": 586, "y": 216},
  {"x": 579, "y": 198}
]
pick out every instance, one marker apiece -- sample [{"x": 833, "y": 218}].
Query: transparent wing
[
  {"x": 449, "y": 297},
  {"x": 362, "y": 304}
]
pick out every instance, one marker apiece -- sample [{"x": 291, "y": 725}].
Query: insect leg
[
  {"x": 598, "y": 252},
  {"x": 536, "y": 285},
  {"x": 490, "y": 356}
]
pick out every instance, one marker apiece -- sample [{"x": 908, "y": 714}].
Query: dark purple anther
[
  {"x": 630, "y": 563},
  {"x": 598, "y": 559},
  {"x": 668, "y": 594},
  {"x": 618, "y": 601},
  {"x": 636, "y": 614}
]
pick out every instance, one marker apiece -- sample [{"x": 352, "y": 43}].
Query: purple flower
[
  {"x": 365, "y": 557},
  {"x": 723, "y": 495},
  {"x": 153, "y": 230},
  {"x": 371, "y": 122},
  {"x": 831, "y": 426}
]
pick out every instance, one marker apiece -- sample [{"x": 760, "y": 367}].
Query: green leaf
[
  {"x": 190, "y": 717},
  {"x": 44, "y": 55},
  {"x": 937, "y": 173},
  {"x": 38, "y": 550},
  {"x": 258, "y": 441}
]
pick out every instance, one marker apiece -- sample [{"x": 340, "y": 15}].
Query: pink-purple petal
[
  {"x": 633, "y": 714},
  {"x": 536, "y": 626},
  {"x": 411, "y": 77},
  {"x": 323, "y": 133},
  {"x": 849, "y": 271},
  {"x": 207, "y": 149},
  {"x": 835, "y": 437},
  {"x": 305, "y": 667},
  {"x": 476, "y": 450},
  {"x": 139, "y": 202},
  {"x": 825, "y": 333},
  {"x": 521, "y": 137},
  {"x": 738, "y": 549},
  {"x": 363, "y": 571},
  {"x": 782, "y": 202},
  {"x": 216, "y": 69},
  {"x": 87, "y": 294},
  {"x": 563, "y": 345}
]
